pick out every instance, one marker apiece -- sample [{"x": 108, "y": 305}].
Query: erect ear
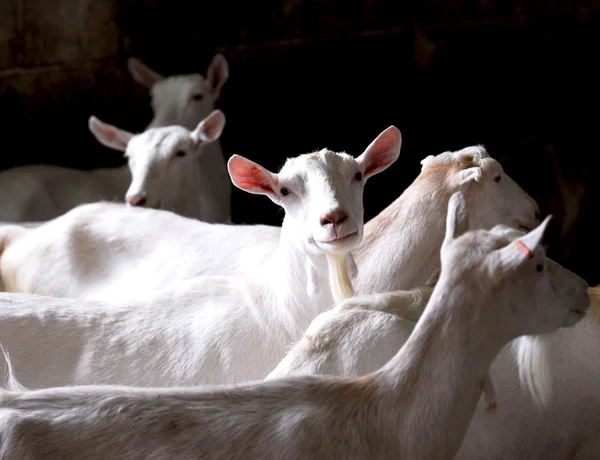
[
  {"x": 109, "y": 135},
  {"x": 209, "y": 129},
  {"x": 512, "y": 256},
  {"x": 252, "y": 177},
  {"x": 457, "y": 218},
  {"x": 381, "y": 153},
  {"x": 142, "y": 73},
  {"x": 218, "y": 72}
]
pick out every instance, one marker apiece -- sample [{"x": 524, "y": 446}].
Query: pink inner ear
[
  {"x": 378, "y": 160},
  {"x": 213, "y": 126},
  {"x": 218, "y": 72},
  {"x": 382, "y": 152},
  {"x": 251, "y": 178},
  {"x": 113, "y": 137},
  {"x": 110, "y": 135}
]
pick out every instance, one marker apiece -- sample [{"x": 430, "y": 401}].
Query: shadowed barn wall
[{"x": 520, "y": 77}]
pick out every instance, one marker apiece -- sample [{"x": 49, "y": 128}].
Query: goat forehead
[
  {"x": 324, "y": 165},
  {"x": 173, "y": 86},
  {"x": 483, "y": 241},
  {"x": 158, "y": 142}
]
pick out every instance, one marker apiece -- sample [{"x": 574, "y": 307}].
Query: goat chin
[
  {"x": 534, "y": 359},
  {"x": 339, "y": 279}
]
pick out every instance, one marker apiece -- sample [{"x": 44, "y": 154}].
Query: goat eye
[
  {"x": 497, "y": 178},
  {"x": 358, "y": 176},
  {"x": 539, "y": 268},
  {"x": 284, "y": 191},
  {"x": 197, "y": 97},
  {"x": 180, "y": 153}
]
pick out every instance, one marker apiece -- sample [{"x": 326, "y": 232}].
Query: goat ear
[
  {"x": 109, "y": 135},
  {"x": 218, "y": 72},
  {"x": 457, "y": 218},
  {"x": 252, "y": 177},
  {"x": 209, "y": 129},
  {"x": 142, "y": 73},
  {"x": 381, "y": 153},
  {"x": 515, "y": 254},
  {"x": 464, "y": 176},
  {"x": 536, "y": 236}
]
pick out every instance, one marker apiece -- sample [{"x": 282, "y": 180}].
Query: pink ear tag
[{"x": 523, "y": 249}]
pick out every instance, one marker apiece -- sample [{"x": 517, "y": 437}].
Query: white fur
[
  {"x": 534, "y": 359},
  {"x": 363, "y": 332},
  {"x": 175, "y": 101},
  {"x": 210, "y": 329},
  {"x": 166, "y": 171},
  {"x": 341, "y": 285},
  {"x": 104, "y": 251},
  {"x": 95, "y": 257},
  {"x": 43, "y": 192},
  {"x": 400, "y": 247},
  {"x": 417, "y": 406}
]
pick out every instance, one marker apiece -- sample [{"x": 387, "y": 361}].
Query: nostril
[
  {"x": 137, "y": 200},
  {"x": 333, "y": 218},
  {"x": 325, "y": 220}
]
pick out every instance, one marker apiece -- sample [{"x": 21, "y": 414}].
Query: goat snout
[
  {"x": 137, "y": 200},
  {"x": 334, "y": 218}
]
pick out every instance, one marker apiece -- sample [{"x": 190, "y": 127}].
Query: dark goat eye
[
  {"x": 539, "y": 268},
  {"x": 180, "y": 153},
  {"x": 497, "y": 178},
  {"x": 284, "y": 191},
  {"x": 197, "y": 97},
  {"x": 358, "y": 176}
]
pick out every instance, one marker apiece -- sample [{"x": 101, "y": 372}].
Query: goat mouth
[
  {"x": 578, "y": 312},
  {"x": 524, "y": 228},
  {"x": 341, "y": 239}
]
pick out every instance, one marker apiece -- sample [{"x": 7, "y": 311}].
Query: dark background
[{"x": 520, "y": 77}]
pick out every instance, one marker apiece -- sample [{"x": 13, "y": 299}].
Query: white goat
[
  {"x": 185, "y": 100},
  {"x": 359, "y": 335},
  {"x": 417, "y": 406},
  {"x": 104, "y": 251},
  {"x": 364, "y": 332},
  {"x": 211, "y": 329},
  {"x": 43, "y": 192},
  {"x": 165, "y": 165}
]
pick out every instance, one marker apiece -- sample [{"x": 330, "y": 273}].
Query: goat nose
[
  {"x": 333, "y": 218},
  {"x": 537, "y": 213},
  {"x": 137, "y": 200}
]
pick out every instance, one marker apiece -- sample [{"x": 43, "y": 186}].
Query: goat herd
[{"x": 138, "y": 333}]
